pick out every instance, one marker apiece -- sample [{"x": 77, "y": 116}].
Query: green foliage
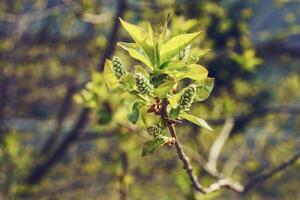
[
  {"x": 134, "y": 115},
  {"x": 171, "y": 61}
]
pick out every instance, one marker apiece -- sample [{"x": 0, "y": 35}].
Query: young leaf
[
  {"x": 193, "y": 71},
  {"x": 196, "y": 55},
  {"x": 204, "y": 89},
  {"x": 174, "y": 99},
  {"x": 140, "y": 69},
  {"x": 141, "y": 37},
  {"x": 175, "y": 45},
  {"x": 162, "y": 90},
  {"x": 150, "y": 146},
  {"x": 135, "y": 52},
  {"x": 136, "y": 33},
  {"x": 196, "y": 120},
  {"x": 133, "y": 116},
  {"x": 111, "y": 80},
  {"x": 127, "y": 82}
]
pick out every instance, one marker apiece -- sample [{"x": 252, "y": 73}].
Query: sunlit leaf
[
  {"x": 141, "y": 37},
  {"x": 175, "y": 45},
  {"x": 164, "y": 89},
  {"x": 136, "y": 52},
  {"x": 111, "y": 80},
  {"x": 196, "y": 120},
  {"x": 140, "y": 69},
  {"x": 196, "y": 55},
  {"x": 204, "y": 89},
  {"x": 195, "y": 72}
]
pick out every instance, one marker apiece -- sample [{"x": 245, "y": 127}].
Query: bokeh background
[{"x": 62, "y": 138}]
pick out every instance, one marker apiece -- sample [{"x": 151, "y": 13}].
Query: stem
[
  {"x": 181, "y": 155},
  {"x": 185, "y": 160}
]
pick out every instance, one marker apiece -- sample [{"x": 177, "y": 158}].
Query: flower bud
[
  {"x": 143, "y": 84},
  {"x": 187, "y": 98},
  {"x": 154, "y": 130},
  {"x": 118, "y": 67}
]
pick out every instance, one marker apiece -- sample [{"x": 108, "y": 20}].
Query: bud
[
  {"x": 143, "y": 84},
  {"x": 118, "y": 67},
  {"x": 184, "y": 54},
  {"x": 187, "y": 98},
  {"x": 154, "y": 130}
]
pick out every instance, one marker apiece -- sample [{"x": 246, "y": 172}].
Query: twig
[
  {"x": 185, "y": 160},
  {"x": 181, "y": 155}
]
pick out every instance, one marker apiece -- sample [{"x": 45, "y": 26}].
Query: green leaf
[
  {"x": 141, "y": 37},
  {"x": 196, "y": 120},
  {"x": 164, "y": 89},
  {"x": 136, "y": 52},
  {"x": 196, "y": 55},
  {"x": 140, "y": 69},
  {"x": 157, "y": 79},
  {"x": 150, "y": 146},
  {"x": 136, "y": 33},
  {"x": 138, "y": 95},
  {"x": 174, "y": 99},
  {"x": 127, "y": 82},
  {"x": 111, "y": 80},
  {"x": 174, "y": 112},
  {"x": 193, "y": 71},
  {"x": 204, "y": 89},
  {"x": 133, "y": 116},
  {"x": 173, "y": 67},
  {"x": 175, "y": 45}
]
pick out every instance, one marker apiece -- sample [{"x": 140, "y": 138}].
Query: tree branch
[
  {"x": 39, "y": 171},
  {"x": 271, "y": 173}
]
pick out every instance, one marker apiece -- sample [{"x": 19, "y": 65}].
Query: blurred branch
[
  {"x": 29, "y": 17},
  {"x": 84, "y": 16},
  {"x": 218, "y": 144},
  {"x": 122, "y": 175},
  {"x": 278, "y": 109},
  {"x": 61, "y": 115},
  {"x": 38, "y": 172},
  {"x": 264, "y": 177},
  {"x": 211, "y": 168}
]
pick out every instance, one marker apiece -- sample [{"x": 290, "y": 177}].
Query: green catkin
[
  {"x": 143, "y": 84},
  {"x": 154, "y": 130},
  {"x": 118, "y": 67},
  {"x": 187, "y": 98}
]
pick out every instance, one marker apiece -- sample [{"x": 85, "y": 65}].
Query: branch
[
  {"x": 39, "y": 171},
  {"x": 271, "y": 173},
  {"x": 185, "y": 160},
  {"x": 228, "y": 183},
  {"x": 218, "y": 144}
]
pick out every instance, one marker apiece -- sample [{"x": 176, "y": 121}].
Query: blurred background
[{"x": 64, "y": 136}]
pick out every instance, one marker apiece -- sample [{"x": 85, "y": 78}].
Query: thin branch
[
  {"x": 271, "y": 173},
  {"x": 185, "y": 160}
]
